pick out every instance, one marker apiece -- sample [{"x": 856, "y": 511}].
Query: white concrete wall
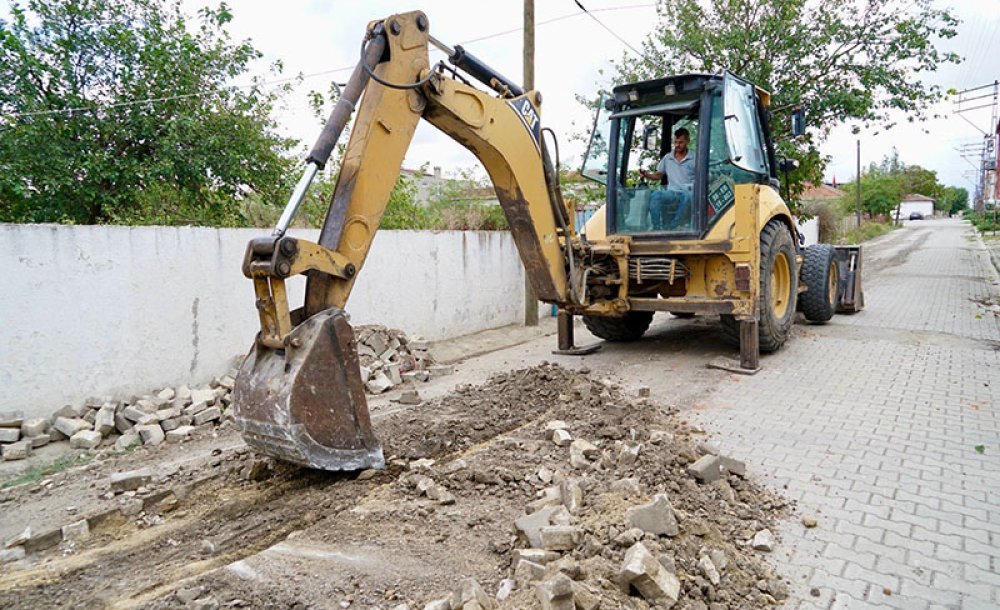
[{"x": 101, "y": 310}]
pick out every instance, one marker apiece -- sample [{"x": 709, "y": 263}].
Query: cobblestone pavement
[{"x": 884, "y": 426}]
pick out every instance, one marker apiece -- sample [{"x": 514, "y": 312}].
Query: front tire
[
  {"x": 778, "y": 286},
  {"x": 629, "y": 327},
  {"x": 822, "y": 278}
]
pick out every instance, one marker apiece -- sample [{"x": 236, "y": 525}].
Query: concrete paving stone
[
  {"x": 86, "y": 439},
  {"x": 969, "y": 603},
  {"x": 77, "y": 531},
  {"x": 871, "y": 532},
  {"x": 130, "y": 480},
  {"x": 178, "y": 434},
  {"x": 930, "y": 593},
  {"x": 151, "y": 434},
  {"x": 128, "y": 440},
  {"x": 846, "y": 602},
  {"x": 930, "y": 522},
  {"x": 17, "y": 451},
  {"x": 837, "y": 585},
  {"x": 34, "y": 427},
  {"x": 69, "y": 427},
  {"x": 875, "y": 578},
  {"x": 960, "y": 585},
  {"x": 974, "y": 546},
  {"x": 10, "y": 435},
  {"x": 104, "y": 422},
  {"x": 977, "y": 574},
  {"x": 208, "y": 415},
  {"x": 887, "y": 525},
  {"x": 877, "y": 597}
]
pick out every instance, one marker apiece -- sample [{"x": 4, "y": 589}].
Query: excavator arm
[{"x": 299, "y": 395}]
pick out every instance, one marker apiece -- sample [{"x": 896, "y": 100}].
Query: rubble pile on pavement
[
  {"x": 388, "y": 358},
  {"x": 168, "y": 415},
  {"x": 622, "y": 510}
]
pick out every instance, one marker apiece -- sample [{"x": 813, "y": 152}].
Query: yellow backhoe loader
[{"x": 727, "y": 245}]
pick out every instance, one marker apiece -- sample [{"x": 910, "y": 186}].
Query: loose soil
[{"x": 246, "y": 532}]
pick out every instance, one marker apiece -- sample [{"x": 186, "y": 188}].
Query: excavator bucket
[
  {"x": 852, "y": 297},
  {"x": 306, "y": 403}
]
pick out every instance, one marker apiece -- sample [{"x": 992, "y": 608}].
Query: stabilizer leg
[{"x": 567, "y": 343}]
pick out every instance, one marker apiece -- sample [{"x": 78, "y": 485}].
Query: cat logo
[{"x": 528, "y": 116}]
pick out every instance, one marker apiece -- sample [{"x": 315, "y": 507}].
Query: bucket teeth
[{"x": 306, "y": 404}]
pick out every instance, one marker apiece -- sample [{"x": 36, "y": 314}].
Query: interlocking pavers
[{"x": 871, "y": 423}]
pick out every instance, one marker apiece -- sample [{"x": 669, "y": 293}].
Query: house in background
[
  {"x": 818, "y": 194},
  {"x": 915, "y": 203}
]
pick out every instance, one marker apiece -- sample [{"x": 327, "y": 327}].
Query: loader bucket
[
  {"x": 306, "y": 403},
  {"x": 852, "y": 297}
]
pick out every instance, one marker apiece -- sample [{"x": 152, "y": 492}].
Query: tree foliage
[
  {"x": 121, "y": 111},
  {"x": 885, "y": 184},
  {"x": 954, "y": 199},
  {"x": 857, "y": 60}
]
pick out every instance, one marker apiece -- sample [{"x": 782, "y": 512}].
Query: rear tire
[
  {"x": 629, "y": 327},
  {"x": 822, "y": 278},
  {"x": 778, "y": 286}
]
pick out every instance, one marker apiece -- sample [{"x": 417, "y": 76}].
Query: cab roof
[{"x": 656, "y": 91}]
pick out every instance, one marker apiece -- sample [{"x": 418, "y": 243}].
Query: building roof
[
  {"x": 821, "y": 191},
  {"x": 917, "y": 197}
]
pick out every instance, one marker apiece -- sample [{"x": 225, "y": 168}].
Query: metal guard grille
[{"x": 656, "y": 269}]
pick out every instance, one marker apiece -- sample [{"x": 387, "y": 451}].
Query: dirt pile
[
  {"x": 589, "y": 474},
  {"x": 541, "y": 488}
]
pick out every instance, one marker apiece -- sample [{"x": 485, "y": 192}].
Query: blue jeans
[{"x": 670, "y": 209}]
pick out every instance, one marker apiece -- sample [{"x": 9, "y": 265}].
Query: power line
[
  {"x": 612, "y": 32},
  {"x": 168, "y": 98}
]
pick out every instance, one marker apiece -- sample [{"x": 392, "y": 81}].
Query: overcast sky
[{"x": 312, "y": 36}]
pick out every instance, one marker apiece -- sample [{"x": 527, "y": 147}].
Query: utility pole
[
  {"x": 530, "y": 299},
  {"x": 857, "y": 185},
  {"x": 987, "y": 166}
]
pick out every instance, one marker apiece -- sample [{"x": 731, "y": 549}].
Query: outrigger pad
[{"x": 307, "y": 404}]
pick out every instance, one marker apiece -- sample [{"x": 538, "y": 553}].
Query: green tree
[
  {"x": 953, "y": 200},
  {"x": 849, "y": 61},
  {"x": 881, "y": 192},
  {"x": 120, "y": 111}
]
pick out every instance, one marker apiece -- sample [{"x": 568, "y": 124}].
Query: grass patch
[
  {"x": 37, "y": 473},
  {"x": 869, "y": 230}
]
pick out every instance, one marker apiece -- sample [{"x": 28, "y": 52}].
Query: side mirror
[
  {"x": 786, "y": 165},
  {"x": 650, "y": 139},
  {"x": 798, "y": 122}
]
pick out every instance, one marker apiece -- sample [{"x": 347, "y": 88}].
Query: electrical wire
[{"x": 612, "y": 32}]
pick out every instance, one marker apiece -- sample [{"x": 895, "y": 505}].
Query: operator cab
[{"x": 730, "y": 144}]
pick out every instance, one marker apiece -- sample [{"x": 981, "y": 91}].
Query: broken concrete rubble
[
  {"x": 657, "y": 517},
  {"x": 763, "y": 541},
  {"x": 85, "y": 439},
  {"x": 556, "y": 593},
  {"x": 642, "y": 572}
]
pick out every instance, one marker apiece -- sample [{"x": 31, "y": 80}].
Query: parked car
[{"x": 916, "y": 216}]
